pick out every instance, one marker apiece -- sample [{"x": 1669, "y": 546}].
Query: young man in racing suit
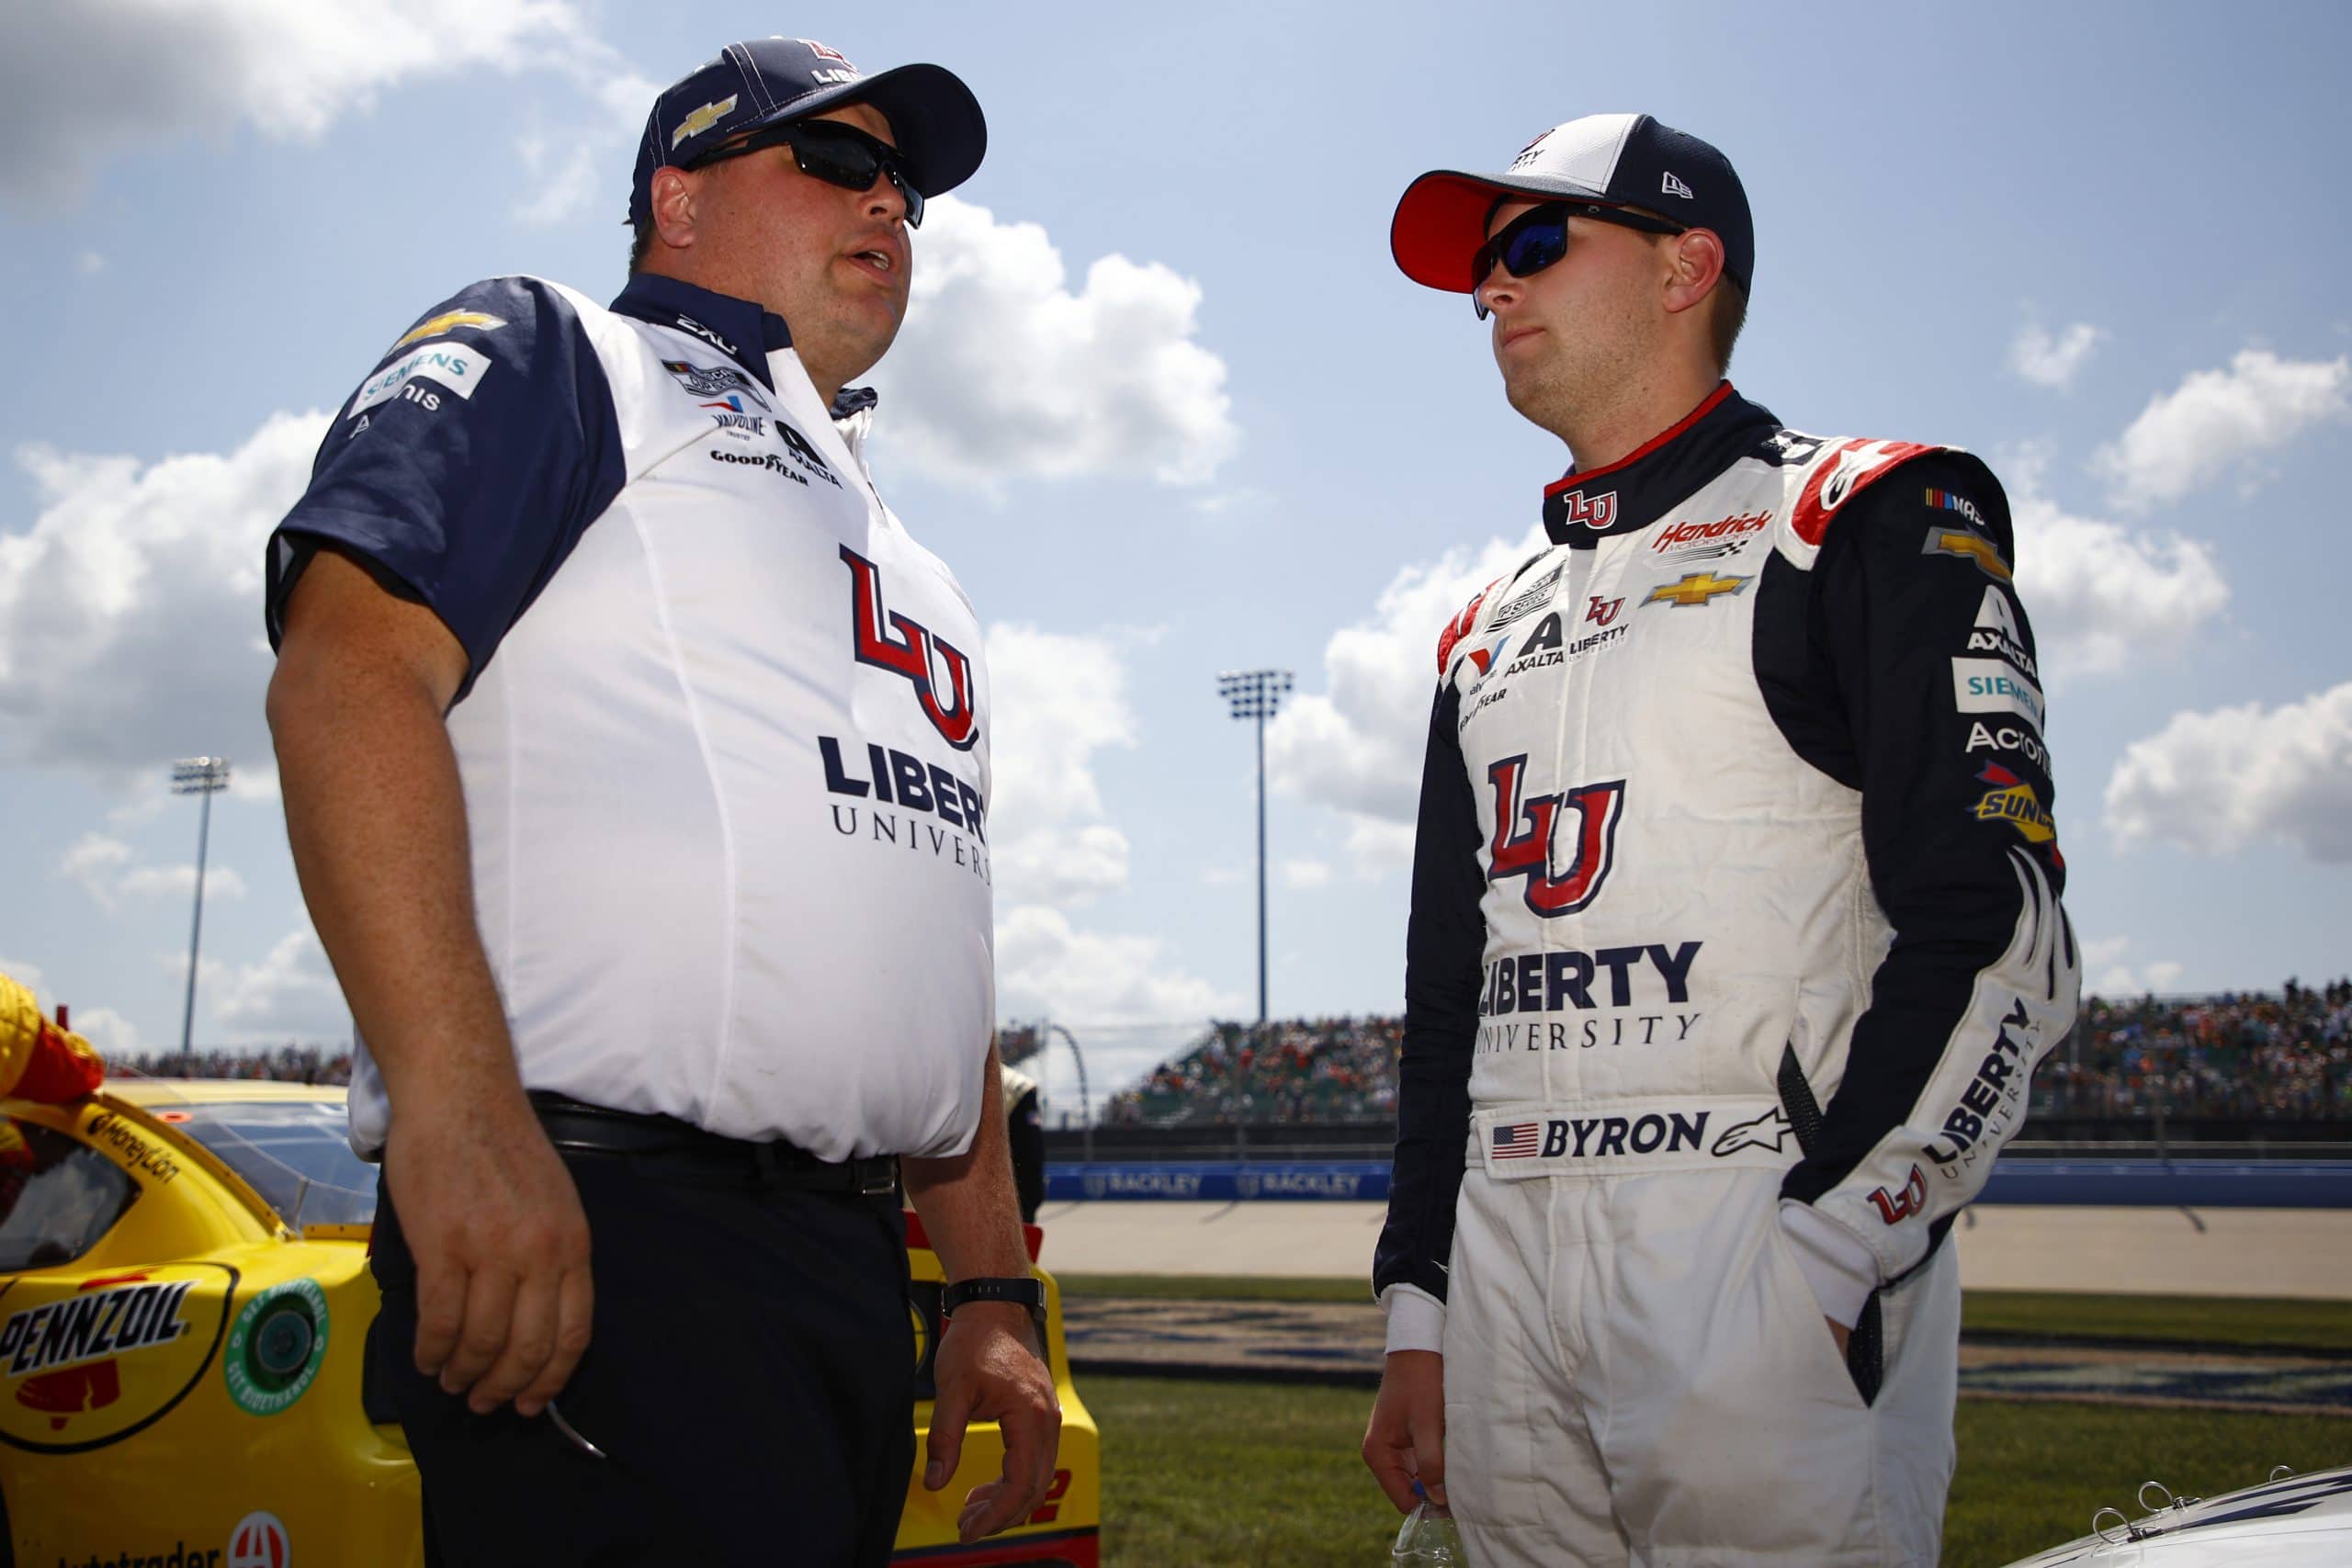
[{"x": 1736, "y": 930}]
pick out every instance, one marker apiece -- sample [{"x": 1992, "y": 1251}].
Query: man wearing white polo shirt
[{"x": 635, "y": 764}]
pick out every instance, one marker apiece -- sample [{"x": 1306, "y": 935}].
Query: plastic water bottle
[{"x": 1428, "y": 1539}]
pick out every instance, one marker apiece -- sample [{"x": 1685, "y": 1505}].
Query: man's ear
[
  {"x": 673, "y": 201},
  {"x": 1696, "y": 262}
]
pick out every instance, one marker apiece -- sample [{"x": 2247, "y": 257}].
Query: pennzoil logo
[
  {"x": 2012, "y": 800},
  {"x": 84, "y": 1363},
  {"x": 1695, "y": 590},
  {"x": 87, "y": 1326},
  {"x": 447, "y": 321},
  {"x": 702, "y": 119}
]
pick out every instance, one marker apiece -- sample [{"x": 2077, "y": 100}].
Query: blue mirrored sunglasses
[{"x": 1539, "y": 237}]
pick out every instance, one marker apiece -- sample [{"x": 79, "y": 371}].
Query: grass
[
  {"x": 2239, "y": 1320},
  {"x": 1237, "y": 1475}
]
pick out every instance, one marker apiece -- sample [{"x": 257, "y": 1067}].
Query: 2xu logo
[
  {"x": 913, "y": 652},
  {"x": 1526, "y": 832}
]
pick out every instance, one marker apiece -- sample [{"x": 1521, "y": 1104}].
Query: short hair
[
  {"x": 1726, "y": 313},
  {"x": 640, "y": 245}
]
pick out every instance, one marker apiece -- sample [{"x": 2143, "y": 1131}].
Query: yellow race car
[{"x": 185, "y": 1311}]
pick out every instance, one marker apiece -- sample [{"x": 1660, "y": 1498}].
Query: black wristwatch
[{"x": 1029, "y": 1293}]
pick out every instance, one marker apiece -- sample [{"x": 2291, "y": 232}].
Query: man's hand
[
  {"x": 990, "y": 1367},
  {"x": 1406, "y": 1441},
  {"x": 500, "y": 1243}
]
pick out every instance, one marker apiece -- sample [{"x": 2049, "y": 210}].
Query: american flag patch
[{"x": 1520, "y": 1142}]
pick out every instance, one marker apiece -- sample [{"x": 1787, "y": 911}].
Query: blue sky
[{"x": 1167, "y": 408}]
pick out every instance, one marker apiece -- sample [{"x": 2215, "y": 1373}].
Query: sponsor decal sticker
[
  {"x": 1530, "y": 598},
  {"x": 930, "y": 663},
  {"x": 1764, "y": 1132},
  {"x": 1695, "y": 590},
  {"x": 713, "y": 381},
  {"x": 1600, "y": 611},
  {"x": 131, "y": 1148},
  {"x": 1992, "y": 685},
  {"x": 88, "y": 1362},
  {"x": 1992, "y": 1096},
  {"x": 1524, "y": 830},
  {"x": 1908, "y": 1200},
  {"x": 1519, "y": 1141},
  {"x": 1960, "y": 542},
  {"x": 451, "y": 365},
  {"x": 275, "y": 1346},
  {"x": 689, "y": 324},
  {"x": 259, "y": 1542},
  {"x": 447, "y": 321},
  {"x": 1982, "y": 737},
  {"x": 1947, "y": 500},
  {"x": 1596, "y": 513},
  {"x": 2012, "y": 800},
  {"x": 1686, "y": 534},
  {"x": 702, "y": 119}
]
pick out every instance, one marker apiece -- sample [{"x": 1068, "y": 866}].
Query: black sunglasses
[
  {"x": 1538, "y": 237},
  {"x": 836, "y": 153}
]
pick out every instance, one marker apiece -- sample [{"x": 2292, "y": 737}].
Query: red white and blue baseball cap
[
  {"x": 934, "y": 120},
  {"x": 1603, "y": 160}
]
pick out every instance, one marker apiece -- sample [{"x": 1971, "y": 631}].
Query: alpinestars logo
[
  {"x": 1525, "y": 830},
  {"x": 913, "y": 652}
]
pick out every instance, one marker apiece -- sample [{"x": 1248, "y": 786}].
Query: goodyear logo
[
  {"x": 702, "y": 119},
  {"x": 2012, "y": 800},
  {"x": 448, "y": 322}
]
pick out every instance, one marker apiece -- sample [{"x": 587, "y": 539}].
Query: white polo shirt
[{"x": 724, "y": 739}]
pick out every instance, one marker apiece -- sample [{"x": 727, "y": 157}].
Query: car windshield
[{"x": 294, "y": 1153}]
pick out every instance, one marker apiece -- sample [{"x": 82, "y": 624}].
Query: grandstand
[{"x": 2233, "y": 1068}]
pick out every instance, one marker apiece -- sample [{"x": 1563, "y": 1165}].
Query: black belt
[{"x": 595, "y": 1129}]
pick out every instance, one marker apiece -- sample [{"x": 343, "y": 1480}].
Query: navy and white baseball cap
[
  {"x": 935, "y": 119},
  {"x": 1607, "y": 160}
]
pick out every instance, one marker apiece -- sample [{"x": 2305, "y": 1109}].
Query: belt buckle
[{"x": 881, "y": 1181}]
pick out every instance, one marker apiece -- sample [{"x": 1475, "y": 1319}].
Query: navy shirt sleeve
[
  {"x": 466, "y": 467},
  {"x": 1928, "y": 660},
  {"x": 1445, "y": 944}
]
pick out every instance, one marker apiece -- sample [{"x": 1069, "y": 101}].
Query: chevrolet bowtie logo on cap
[
  {"x": 702, "y": 119},
  {"x": 1695, "y": 589}
]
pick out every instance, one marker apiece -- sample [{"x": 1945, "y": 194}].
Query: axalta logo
[
  {"x": 889, "y": 641},
  {"x": 1734, "y": 527},
  {"x": 2012, "y": 800},
  {"x": 1525, "y": 830}
]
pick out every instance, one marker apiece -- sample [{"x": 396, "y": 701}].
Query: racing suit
[{"x": 1735, "y": 938}]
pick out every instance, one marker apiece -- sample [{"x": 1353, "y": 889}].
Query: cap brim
[
  {"x": 1441, "y": 219},
  {"x": 934, "y": 120}
]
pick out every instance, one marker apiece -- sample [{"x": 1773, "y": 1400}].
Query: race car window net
[
  {"x": 294, "y": 1153},
  {"x": 58, "y": 1196}
]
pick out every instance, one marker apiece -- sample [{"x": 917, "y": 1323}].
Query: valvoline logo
[{"x": 913, "y": 652}]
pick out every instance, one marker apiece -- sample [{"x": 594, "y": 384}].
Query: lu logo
[{"x": 912, "y": 653}]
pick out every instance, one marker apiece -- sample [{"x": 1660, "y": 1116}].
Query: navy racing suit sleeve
[
  {"x": 465, "y": 468},
  {"x": 1916, "y": 627},
  {"x": 1444, "y": 947}
]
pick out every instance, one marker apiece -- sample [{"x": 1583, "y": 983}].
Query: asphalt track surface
[
  {"x": 2214, "y": 1252},
  {"x": 2269, "y": 1252}
]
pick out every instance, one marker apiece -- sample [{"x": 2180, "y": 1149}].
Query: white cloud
[
  {"x": 89, "y": 263},
  {"x": 107, "y": 869},
  {"x": 1045, "y": 966},
  {"x": 115, "y": 1035},
  {"x": 2117, "y": 979},
  {"x": 2102, "y": 595},
  {"x": 2218, "y": 782},
  {"x": 1305, "y": 873},
  {"x": 290, "y": 994},
  {"x": 289, "y": 69},
  {"x": 1003, "y": 372},
  {"x": 2046, "y": 361},
  {"x": 1059, "y": 699},
  {"x": 131, "y": 609},
  {"x": 23, "y": 971},
  {"x": 2218, "y": 420},
  {"x": 1356, "y": 746}
]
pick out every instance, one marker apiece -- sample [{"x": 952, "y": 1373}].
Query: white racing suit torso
[{"x": 1736, "y": 936}]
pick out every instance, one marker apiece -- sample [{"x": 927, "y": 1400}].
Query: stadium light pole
[
  {"x": 1255, "y": 694},
  {"x": 1085, "y": 1095},
  {"x": 205, "y": 776}
]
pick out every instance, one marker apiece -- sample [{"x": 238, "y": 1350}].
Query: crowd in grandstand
[
  {"x": 2284, "y": 1057},
  {"x": 287, "y": 1063},
  {"x": 2253, "y": 1056}
]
